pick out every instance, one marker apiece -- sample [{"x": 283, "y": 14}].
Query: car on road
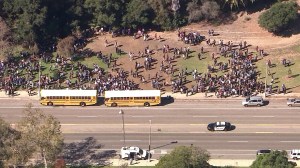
[
  {"x": 134, "y": 152},
  {"x": 253, "y": 101},
  {"x": 295, "y": 154},
  {"x": 293, "y": 102},
  {"x": 219, "y": 126},
  {"x": 263, "y": 151}
]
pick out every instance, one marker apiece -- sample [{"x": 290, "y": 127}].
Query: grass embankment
[{"x": 280, "y": 72}]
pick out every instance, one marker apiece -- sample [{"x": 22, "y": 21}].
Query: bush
[
  {"x": 279, "y": 16},
  {"x": 207, "y": 10},
  {"x": 55, "y": 74}
]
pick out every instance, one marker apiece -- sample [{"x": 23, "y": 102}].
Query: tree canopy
[
  {"x": 279, "y": 16},
  {"x": 42, "y": 23},
  {"x": 185, "y": 156},
  {"x": 43, "y": 131},
  {"x": 275, "y": 159}
]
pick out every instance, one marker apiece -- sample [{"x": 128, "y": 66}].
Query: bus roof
[
  {"x": 68, "y": 92},
  {"x": 132, "y": 93}
]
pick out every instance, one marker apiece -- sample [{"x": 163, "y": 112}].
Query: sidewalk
[
  {"x": 214, "y": 162},
  {"x": 179, "y": 96}
]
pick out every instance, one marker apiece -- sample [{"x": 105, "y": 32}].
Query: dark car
[
  {"x": 219, "y": 126},
  {"x": 263, "y": 151}
]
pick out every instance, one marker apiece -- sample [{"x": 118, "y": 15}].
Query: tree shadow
[
  {"x": 86, "y": 153},
  {"x": 258, "y": 6},
  {"x": 293, "y": 29},
  {"x": 225, "y": 18}
]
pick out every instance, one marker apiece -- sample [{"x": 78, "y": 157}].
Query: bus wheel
[
  {"x": 147, "y": 104},
  {"x": 49, "y": 104},
  {"x": 114, "y": 105},
  {"x": 82, "y": 104}
]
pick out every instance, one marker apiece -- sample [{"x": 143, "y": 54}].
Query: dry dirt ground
[{"x": 244, "y": 28}]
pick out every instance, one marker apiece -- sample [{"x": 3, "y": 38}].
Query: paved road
[{"x": 274, "y": 126}]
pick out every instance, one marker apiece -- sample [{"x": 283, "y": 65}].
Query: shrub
[
  {"x": 279, "y": 16},
  {"x": 206, "y": 10}
]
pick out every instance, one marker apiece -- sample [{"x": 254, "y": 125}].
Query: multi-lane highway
[{"x": 274, "y": 126}]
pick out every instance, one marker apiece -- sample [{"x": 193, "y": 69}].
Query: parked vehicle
[
  {"x": 295, "y": 154},
  {"x": 293, "y": 102},
  {"x": 263, "y": 151},
  {"x": 253, "y": 101},
  {"x": 219, "y": 126},
  {"x": 133, "y": 152}
]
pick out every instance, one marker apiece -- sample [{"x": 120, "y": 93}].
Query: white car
[
  {"x": 134, "y": 153},
  {"x": 295, "y": 154}
]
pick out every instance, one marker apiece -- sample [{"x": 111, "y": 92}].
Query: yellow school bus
[
  {"x": 132, "y": 98},
  {"x": 68, "y": 97}
]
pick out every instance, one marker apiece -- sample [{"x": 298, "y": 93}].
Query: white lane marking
[
  {"x": 205, "y": 116},
  {"x": 263, "y": 116},
  {"x": 237, "y": 141},
  {"x": 290, "y": 141},
  {"x": 86, "y": 116},
  {"x": 228, "y": 154},
  {"x": 131, "y": 140},
  {"x": 141, "y": 116},
  {"x": 264, "y": 132}
]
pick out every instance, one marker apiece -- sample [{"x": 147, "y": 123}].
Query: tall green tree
[
  {"x": 43, "y": 131},
  {"x": 8, "y": 135},
  {"x": 163, "y": 15},
  {"x": 237, "y": 3},
  {"x": 275, "y": 159},
  {"x": 25, "y": 17},
  {"x": 106, "y": 13},
  {"x": 279, "y": 16},
  {"x": 14, "y": 150},
  {"x": 138, "y": 13},
  {"x": 183, "y": 157}
]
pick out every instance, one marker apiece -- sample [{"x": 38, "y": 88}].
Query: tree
[
  {"x": 65, "y": 47},
  {"x": 43, "y": 131},
  {"x": 105, "y": 13},
  {"x": 7, "y": 136},
  {"x": 275, "y": 159},
  {"x": 237, "y": 3},
  {"x": 5, "y": 38},
  {"x": 26, "y": 17},
  {"x": 183, "y": 157},
  {"x": 163, "y": 15},
  {"x": 138, "y": 13},
  {"x": 279, "y": 16},
  {"x": 14, "y": 150},
  {"x": 205, "y": 10}
]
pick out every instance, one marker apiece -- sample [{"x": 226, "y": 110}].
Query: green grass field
[{"x": 280, "y": 72}]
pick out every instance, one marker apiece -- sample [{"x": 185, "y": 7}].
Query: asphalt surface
[{"x": 183, "y": 122}]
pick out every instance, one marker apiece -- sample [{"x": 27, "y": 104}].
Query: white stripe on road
[
  {"x": 237, "y": 141},
  {"x": 131, "y": 140},
  {"x": 205, "y": 116},
  {"x": 141, "y": 116},
  {"x": 86, "y": 116},
  {"x": 263, "y": 116},
  {"x": 290, "y": 141}
]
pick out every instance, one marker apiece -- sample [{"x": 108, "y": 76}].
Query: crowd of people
[{"x": 239, "y": 74}]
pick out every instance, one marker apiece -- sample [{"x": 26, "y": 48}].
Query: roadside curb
[{"x": 174, "y": 96}]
